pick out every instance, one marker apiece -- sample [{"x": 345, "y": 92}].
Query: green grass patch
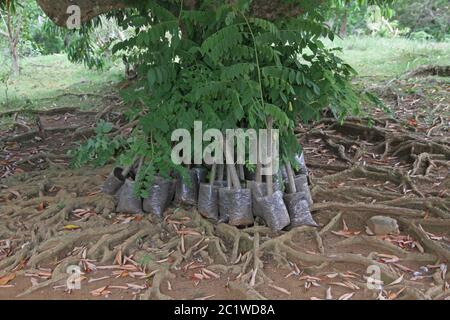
[
  {"x": 48, "y": 81},
  {"x": 391, "y": 57}
]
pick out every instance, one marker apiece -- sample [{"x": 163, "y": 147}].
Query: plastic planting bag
[
  {"x": 159, "y": 198},
  {"x": 301, "y": 184},
  {"x": 208, "y": 201},
  {"x": 298, "y": 209},
  {"x": 220, "y": 184},
  {"x": 208, "y": 193},
  {"x": 172, "y": 190},
  {"x": 186, "y": 192},
  {"x": 259, "y": 189},
  {"x": 235, "y": 206},
  {"x": 113, "y": 182},
  {"x": 128, "y": 202},
  {"x": 273, "y": 211},
  {"x": 300, "y": 159},
  {"x": 249, "y": 175},
  {"x": 201, "y": 174}
]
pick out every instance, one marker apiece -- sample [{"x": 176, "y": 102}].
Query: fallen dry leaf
[
  {"x": 397, "y": 281},
  {"x": 344, "y": 284},
  {"x": 205, "y": 275},
  {"x": 42, "y": 206},
  {"x": 71, "y": 227},
  {"x": 7, "y": 278},
  {"x": 118, "y": 287},
  {"x": 280, "y": 289},
  {"x": 369, "y": 232},
  {"x": 329, "y": 296},
  {"x": 309, "y": 278},
  {"x": 98, "y": 279},
  {"x": 211, "y": 273},
  {"x": 388, "y": 258},
  {"x": 118, "y": 259},
  {"x": 135, "y": 286},
  {"x": 206, "y": 298},
  {"x": 394, "y": 295},
  {"x": 100, "y": 292},
  {"x": 34, "y": 282},
  {"x": 344, "y": 225},
  {"x": 189, "y": 233},
  {"x": 197, "y": 276},
  {"x": 346, "y": 296},
  {"x": 332, "y": 275},
  {"x": 351, "y": 285},
  {"x": 346, "y": 234},
  {"x": 253, "y": 277}
]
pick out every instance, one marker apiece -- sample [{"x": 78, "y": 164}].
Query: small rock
[{"x": 381, "y": 225}]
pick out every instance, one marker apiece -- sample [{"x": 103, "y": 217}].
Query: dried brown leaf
[
  {"x": 397, "y": 281},
  {"x": 7, "y": 278},
  {"x": 280, "y": 289},
  {"x": 346, "y": 296}
]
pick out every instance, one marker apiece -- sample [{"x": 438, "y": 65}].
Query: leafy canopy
[{"x": 228, "y": 69}]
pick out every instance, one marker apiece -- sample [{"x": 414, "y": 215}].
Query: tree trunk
[
  {"x": 343, "y": 28},
  {"x": 269, "y": 177},
  {"x": 14, "y": 58},
  {"x": 56, "y": 10},
  {"x": 13, "y": 31}
]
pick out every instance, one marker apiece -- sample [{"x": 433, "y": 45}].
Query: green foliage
[
  {"x": 424, "y": 18},
  {"x": 43, "y": 40},
  {"x": 419, "y": 19},
  {"x": 362, "y": 17},
  {"x": 98, "y": 150},
  {"x": 34, "y": 38},
  {"x": 4, "y": 79},
  {"x": 228, "y": 69}
]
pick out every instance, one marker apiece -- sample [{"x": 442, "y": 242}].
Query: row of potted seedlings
[{"x": 223, "y": 193}]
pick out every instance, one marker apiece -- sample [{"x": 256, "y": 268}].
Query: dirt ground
[{"x": 53, "y": 217}]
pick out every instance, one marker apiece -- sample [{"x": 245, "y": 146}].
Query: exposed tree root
[
  {"x": 50, "y": 112},
  {"x": 388, "y": 247},
  {"x": 431, "y": 70},
  {"x": 425, "y": 240},
  {"x": 371, "y": 209},
  {"x": 36, "y": 209}
]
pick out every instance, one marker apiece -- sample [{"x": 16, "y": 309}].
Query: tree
[
  {"x": 232, "y": 64},
  {"x": 57, "y": 10},
  {"x": 431, "y": 17},
  {"x": 342, "y": 10},
  {"x": 19, "y": 26},
  {"x": 224, "y": 64},
  {"x": 11, "y": 30}
]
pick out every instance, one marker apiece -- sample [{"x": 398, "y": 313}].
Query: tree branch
[{"x": 56, "y": 10}]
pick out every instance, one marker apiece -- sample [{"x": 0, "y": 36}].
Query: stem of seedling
[
  {"x": 269, "y": 177},
  {"x": 212, "y": 175},
  {"x": 290, "y": 174}
]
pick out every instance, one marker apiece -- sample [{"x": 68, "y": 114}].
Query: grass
[
  {"x": 44, "y": 80},
  {"x": 391, "y": 57}
]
